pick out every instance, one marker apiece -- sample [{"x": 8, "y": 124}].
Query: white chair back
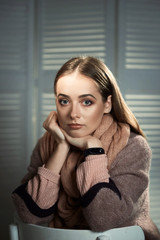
[{"x": 24, "y": 231}]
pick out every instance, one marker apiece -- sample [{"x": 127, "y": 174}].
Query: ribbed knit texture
[
  {"x": 92, "y": 171},
  {"x": 44, "y": 188}
]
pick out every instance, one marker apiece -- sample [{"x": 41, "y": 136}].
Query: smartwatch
[{"x": 93, "y": 151}]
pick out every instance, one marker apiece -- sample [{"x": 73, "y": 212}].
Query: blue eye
[
  {"x": 87, "y": 102},
  {"x": 63, "y": 101}
]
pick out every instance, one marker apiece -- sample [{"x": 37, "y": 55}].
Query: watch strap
[{"x": 93, "y": 151}]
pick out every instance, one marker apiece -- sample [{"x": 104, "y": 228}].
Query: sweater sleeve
[
  {"x": 35, "y": 200},
  {"x": 91, "y": 172},
  {"x": 110, "y": 199}
]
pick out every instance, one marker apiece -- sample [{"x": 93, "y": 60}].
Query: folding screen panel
[
  {"x": 139, "y": 77},
  {"x": 16, "y": 49},
  {"x": 68, "y": 29}
]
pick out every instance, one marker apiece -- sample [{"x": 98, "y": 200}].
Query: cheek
[
  {"x": 61, "y": 112},
  {"x": 97, "y": 114},
  {"x": 95, "y": 118},
  {"x": 60, "y": 116}
]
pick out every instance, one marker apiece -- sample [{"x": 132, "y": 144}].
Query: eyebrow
[{"x": 81, "y": 96}]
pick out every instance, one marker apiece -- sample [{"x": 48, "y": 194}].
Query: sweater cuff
[{"x": 92, "y": 171}]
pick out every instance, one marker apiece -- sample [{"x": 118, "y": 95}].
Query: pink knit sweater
[{"x": 107, "y": 200}]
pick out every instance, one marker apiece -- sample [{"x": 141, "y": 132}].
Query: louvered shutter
[
  {"x": 67, "y": 29},
  {"x": 139, "y": 77},
  {"x": 16, "y": 49}
]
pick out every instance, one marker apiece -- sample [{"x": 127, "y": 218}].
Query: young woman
[{"x": 90, "y": 170}]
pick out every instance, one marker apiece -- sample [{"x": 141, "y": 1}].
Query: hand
[
  {"x": 51, "y": 125},
  {"x": 83, "y": 142},
  {"x": 57, "y": 159}
]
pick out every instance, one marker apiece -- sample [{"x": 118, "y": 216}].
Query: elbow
[
  {"x": 101, "y": 222},
  {"x": 104, "y": 218},
  {"x": 25, "y": 215},
  {"x": 32, "y": 219}
]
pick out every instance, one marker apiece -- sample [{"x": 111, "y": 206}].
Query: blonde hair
[{"x": 100, "y": 73}]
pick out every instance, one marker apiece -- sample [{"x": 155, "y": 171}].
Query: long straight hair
[{"x": 106, "y": 82}]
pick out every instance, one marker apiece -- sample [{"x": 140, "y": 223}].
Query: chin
[{"x": 78, "y": 134}]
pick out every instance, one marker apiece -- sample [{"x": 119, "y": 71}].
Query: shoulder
[
  {"x": 36, "y": 156},
  {"x": 36, "y": 149},
  {"x": 138, "y": 143},
  {"x": 35, "y": 162},
  {"x": 136, "y": 152}
]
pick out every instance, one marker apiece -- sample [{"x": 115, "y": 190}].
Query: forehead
[{"x": 76, "y": 83}]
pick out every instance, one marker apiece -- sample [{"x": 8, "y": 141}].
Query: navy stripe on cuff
[
  {"x": 87, "y": 198},
  {"x": 31, "y": 205}
]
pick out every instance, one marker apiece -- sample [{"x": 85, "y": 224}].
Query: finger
[
  {"x": 69, "y": 138},
  {"x": 59, "y": 134},
  {"x": 51, "y": 125},
  {"x": 77, "y": 142},
  {"x": 51, "y": 117}
]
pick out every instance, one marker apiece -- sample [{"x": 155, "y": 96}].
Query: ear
[{"x": 108, "y": 104}]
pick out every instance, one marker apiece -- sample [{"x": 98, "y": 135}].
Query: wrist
[
  {"x": 94, "y": 143},
  {"x": 63, "y": 146}
]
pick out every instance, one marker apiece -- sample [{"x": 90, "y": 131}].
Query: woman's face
[{"x": 80, "y": 107}]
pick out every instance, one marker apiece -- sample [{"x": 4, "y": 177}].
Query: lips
[{"x": 75, "y": 126}]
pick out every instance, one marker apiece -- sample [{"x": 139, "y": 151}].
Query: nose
[{"x": 75, "y": 111}]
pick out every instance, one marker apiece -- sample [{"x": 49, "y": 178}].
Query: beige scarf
[{"x": 114, "y": 137}]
